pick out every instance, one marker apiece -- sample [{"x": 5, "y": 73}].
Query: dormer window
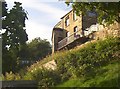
[{"x": 67, "y": 21}]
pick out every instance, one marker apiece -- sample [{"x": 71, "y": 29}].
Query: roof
[
  {"x": 56, "y": 28},
  {"x": 57, "y": 24},
  {"x": 67, "y": 14}
]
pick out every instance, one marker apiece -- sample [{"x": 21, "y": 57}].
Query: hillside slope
[
  {"x": 106, "y": 76},
  {"x": 95, "y": 64}
]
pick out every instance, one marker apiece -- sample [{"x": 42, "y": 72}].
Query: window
[
  {"x": 74, "y": 16},
  {"x": 67, "y": 21},
  {"x": 75, "y": 30},
  {"x": 76, "y": 35}
]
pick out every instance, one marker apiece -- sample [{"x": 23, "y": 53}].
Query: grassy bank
[
  {"x": 94, "y": 64},
  {"x": 107, "y": 76}
]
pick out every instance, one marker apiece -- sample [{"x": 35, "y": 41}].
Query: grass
[
  {"x": 94, "y": 64},
  {"x": 107, "y": 76}
]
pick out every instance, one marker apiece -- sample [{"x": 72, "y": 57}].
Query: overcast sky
[{"x": 43, "y": 15}]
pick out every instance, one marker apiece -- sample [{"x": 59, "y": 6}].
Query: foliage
[
  {"x": 39, "y": 48},
  {"x": 44, "y": 77},
  {"x": 14, "y": 36},
  {"x": 15, "y": 50},
  {"x": 109, "y": 12},
  {"x": 79, "y": 63},
  {"x": 14, "y": 26},
  {"x": 11, "y": 76},
  {"x": 84, "y": 61},
  {"x": 106, "y": 76},
  {"x": 95, "y": 64}
]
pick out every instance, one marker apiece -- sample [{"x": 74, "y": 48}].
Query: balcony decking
[{"x": 71, "y": 40}]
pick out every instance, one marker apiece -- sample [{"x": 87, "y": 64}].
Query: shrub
[
  {"x": 28, "y": 76},
  {"x": 83, "y": 62},
  {"x": 75, "y": 63},
  {"x": 11, "y": 76},
  {"x": 46, "y": 77}
]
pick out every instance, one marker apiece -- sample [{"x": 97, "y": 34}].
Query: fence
[{"x": 70, "y": 39}]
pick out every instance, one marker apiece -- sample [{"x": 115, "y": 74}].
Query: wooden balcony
[{"x": 70, "y": 40}]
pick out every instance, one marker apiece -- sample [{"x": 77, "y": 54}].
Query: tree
[
  {"x": 7, "y": 61},
  {"x": 107, "y": 11},
  {"x": 39, "y": 48},
  {"x": 14, "y": 38},
  {"x": 15, "y": 26}
]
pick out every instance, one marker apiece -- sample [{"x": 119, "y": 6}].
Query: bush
[
  {"x": 76, "y": 63},
  {"x": 46, "y": 77},
  {"x": 84, "y": 61},
  {"x": 11, "y": 76}
]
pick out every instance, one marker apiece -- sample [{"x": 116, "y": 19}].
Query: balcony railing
[{"x": 70, "y": 39}]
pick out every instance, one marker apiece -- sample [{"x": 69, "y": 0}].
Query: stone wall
[
  {"x": 112, "y": 30},
  {"x": 72, "y": 23}
]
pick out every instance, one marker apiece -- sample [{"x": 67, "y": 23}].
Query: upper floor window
[
  {"x": 67, "y": 21},
  {"x": 74, "y": 16},
  {"x": 75, "y": 30}
]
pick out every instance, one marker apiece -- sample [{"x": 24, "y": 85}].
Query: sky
[{"x": 43, "y": 15}]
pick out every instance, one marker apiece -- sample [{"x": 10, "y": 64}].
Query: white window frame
[
  {"x": 67, "y": 21},
  {"x": 74, "y": 16}
]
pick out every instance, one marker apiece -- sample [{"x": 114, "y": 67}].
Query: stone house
[{"x": 72, "y": 30}]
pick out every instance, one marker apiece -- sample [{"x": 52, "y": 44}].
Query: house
[{"x": 72, "y": 29}]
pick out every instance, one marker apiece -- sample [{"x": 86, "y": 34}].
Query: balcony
[{"x": 69, "y": 40}]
